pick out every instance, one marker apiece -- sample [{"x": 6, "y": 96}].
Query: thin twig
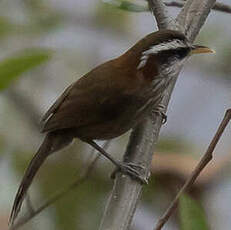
[
  {"x": 217, "y": 6},
  {"x": 207, "y": 157},
  {"x": 178, "y": 165},
  {"x": 174, "y": 4},
  {"x": 60, "y": 194},
  {"x": 56, "y": 197},
  {"x": 222, "y": 7},
  {"x": 126, "y": 192}
]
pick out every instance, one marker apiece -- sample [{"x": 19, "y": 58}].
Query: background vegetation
[{"x": 45, "y": 46}]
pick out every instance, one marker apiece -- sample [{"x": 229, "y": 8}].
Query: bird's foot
[
  {"x": 160, "y": 111},
  {"x": 131, "y": 169}
]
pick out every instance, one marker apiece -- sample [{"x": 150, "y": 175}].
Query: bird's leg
[
  {"x": 127, "y": 168},
  {"x": 160, "y": 110}
]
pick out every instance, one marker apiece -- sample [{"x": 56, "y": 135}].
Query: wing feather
[
  {"x": 81, "y": 103},
  {"x": 92, "y": 99},
  {"x": 56, "y": 105}
]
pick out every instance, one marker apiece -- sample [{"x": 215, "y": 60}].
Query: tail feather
[{"x": 51, "y": 143}]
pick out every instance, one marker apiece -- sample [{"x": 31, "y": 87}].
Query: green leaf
[
  {"x": 127, "y": 5},
  {"x": 192, "y": 216},
  {"x": 12, "y": 67}
]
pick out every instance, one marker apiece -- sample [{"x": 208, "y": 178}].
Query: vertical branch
[
  {"x": 193, "y": 15},
  {"x": 125, "y": 195},
  {"x": 161, "y": 14},
  {"x": 126, "y": 192}
]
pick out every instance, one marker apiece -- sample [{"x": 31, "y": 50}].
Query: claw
[
  {"x": 159, "y": 110},
  {"x": 131, "y": 169},
  {"x": 164, "y": 118}
]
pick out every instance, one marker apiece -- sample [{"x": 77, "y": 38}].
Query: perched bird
[{"x": 110, "y": 100}]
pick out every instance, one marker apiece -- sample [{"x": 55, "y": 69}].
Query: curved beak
[{"x": 197, "y": 49}]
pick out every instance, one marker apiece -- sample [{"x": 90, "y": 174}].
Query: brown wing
[
  {"x": 83, "y": 103},
  {"x": 73, "y": 109},
  {"x": 56, "y": 105}
]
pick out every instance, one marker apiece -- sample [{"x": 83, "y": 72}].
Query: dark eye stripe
[
  {"x": 180, "y": 53},
  {"x": 165, "y": 50}
]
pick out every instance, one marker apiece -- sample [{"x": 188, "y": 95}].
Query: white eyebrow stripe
[
  {"x": 174, "y": 44},
  {"x": 165, "y": 46}
]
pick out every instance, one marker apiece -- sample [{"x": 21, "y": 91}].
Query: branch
[
  {"x": 193, "y": 15},
  {"x": 222, "y": 7},
  {"x": 127, "y": 191},
  {"x": 160, "y": 12},
  {"x": 217, "y": 6},
  {"x": 174, "y": 4},
  {"x": 142, "y": 141},
  {"x": 59, "y": 195},
  {"x": 56, "y": 197},
  {"x": 196, "y": 172},
  {"x": 182, "y": 165}
]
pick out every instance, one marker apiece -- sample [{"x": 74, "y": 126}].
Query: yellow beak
[{"x": 196, "y": 49}]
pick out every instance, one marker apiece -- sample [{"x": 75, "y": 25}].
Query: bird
[{"x": 110, "y": 100}]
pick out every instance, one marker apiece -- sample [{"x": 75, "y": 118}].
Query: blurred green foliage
[
  {"x": 2, "y": 145},
  {"x": 5, "y": 27},
  {"x": 127, "y": 5},
  {"x": 12, "y": 67},
  {"x": 173, "y": 145},
  {"x": 192, "y": 216},
  {"x": 43, "y": 18},
  {"x": 107, "y": 16}
]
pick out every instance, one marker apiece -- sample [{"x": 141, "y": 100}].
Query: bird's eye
[
  {"x": 178, "y": 53},
  {"x": 169, "y": 55},
  {"x": 181, "y": 53}
]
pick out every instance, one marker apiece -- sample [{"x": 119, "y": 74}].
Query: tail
[{"x": 52, "y": 142}]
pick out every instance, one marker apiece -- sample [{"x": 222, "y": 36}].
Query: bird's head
[{"x": 165, "y": 48}]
